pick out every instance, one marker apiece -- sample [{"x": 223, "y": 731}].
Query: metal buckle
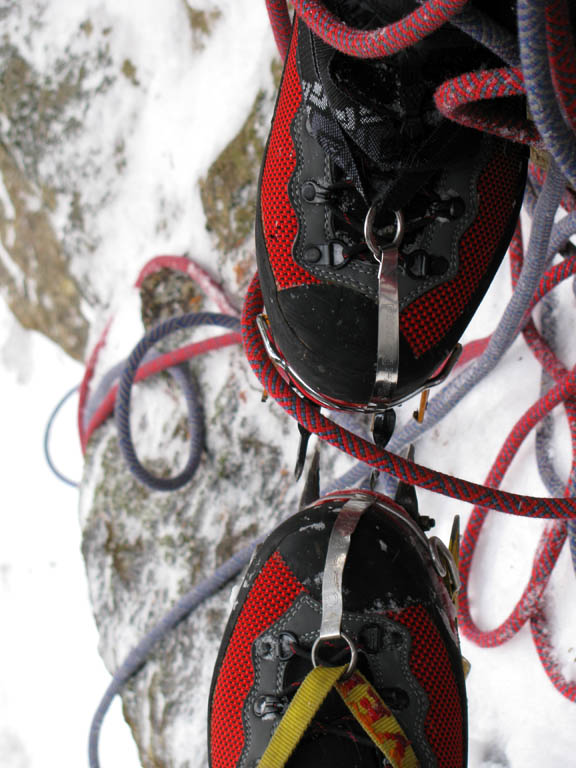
[
  {"x": 445, "y": 564},
  {"x": 332, "y": 599},
  {"x": 388, "y": 349}
]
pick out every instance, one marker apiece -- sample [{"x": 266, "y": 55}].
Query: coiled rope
[
  {"x": 111, "y": 396},
  {"x": 195, "y": 410},
  {"x": 547, "y": 75},
  {"x": 532, "y": 278}
]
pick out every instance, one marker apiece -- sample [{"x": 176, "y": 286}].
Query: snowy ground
[
  {"x": 185, "y": 110},
  {"x": 50, "y": 674}
]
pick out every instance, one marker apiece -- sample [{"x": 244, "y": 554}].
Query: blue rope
[
  {"x": 48, "y": 432},
  {"x": 193, "y": 404},
  {"x": 485, "y": 31},
  {"x": 107, "y": 382}
]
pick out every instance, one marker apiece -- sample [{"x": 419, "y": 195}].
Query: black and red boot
[
  {"x": 380, "y": 224},
  {"x": 342, "y": 648}
]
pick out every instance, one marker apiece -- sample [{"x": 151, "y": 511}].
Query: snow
[
  {"x": 51, "y": 676},
  {"x": 187, "y": 106}
]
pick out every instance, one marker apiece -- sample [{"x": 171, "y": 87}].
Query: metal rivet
[
  {"x": 312, "y": 254},
  {"x": 308, "y": 191}
]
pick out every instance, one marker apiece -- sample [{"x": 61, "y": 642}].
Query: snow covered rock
[
  {"x": 37, "y": 110},
  {"x": 109, "y": 155},
  {"x": 144, "y": 549}
]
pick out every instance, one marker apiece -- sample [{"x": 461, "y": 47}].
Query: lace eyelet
[
  {"x": 285, "y": 647},
  {"x": 267, "y": 706}
]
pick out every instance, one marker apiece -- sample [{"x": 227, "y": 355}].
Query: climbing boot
[
  {"x": 342, "y": 647},
  {"x": 380, "y": 224}
]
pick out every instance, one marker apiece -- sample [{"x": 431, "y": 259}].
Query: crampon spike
[
  {"x": 311, "y": 490},
  {"x": 454, "y": 543},
  {"x": 302, "y": 448}
]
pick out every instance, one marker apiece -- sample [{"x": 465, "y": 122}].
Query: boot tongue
[{"x": 376, "y": 119}]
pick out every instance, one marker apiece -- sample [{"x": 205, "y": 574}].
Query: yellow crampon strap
[
  {"x": 363, "y": 702},
  {"x": 308, "y": 699},
  {"x": 375, "y": 717}
]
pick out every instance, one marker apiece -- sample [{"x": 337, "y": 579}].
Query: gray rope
[
  {"x": 488, "y": 33},
  {"x": 557, "y": 137},
  {"x": 538, "y": 257},
  {"x": 545, "y": 430},
  {"x": 48, "y": 432},
  {"x": 141, "y": 652}
]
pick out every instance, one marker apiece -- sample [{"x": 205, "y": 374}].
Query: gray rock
[
  {"x": 43, "y": 211},
  {"x": 144, "y": 549}
]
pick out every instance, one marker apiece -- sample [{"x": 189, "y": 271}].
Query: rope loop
[
  {"x": 385, "y": 41},
  {"x": 195, "y": 410}
]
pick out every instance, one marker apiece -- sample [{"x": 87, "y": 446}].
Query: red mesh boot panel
[
  {"x": 272, "y": 593},
  {"x": 429, "y": 318},
  {"x": 279, "y": 220},
  {"x": 431, "y": 666}
]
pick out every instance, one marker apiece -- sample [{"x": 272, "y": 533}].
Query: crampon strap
[{"x": 363, "y": 702}]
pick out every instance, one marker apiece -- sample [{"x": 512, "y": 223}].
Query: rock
[
  {"x": 201, "y": 23},
  {"x": 229, "y": 189},
  {"x": 42, "y": 217},
  {"x": 143, "y": 549},
  {"x": 34, "y": 271}
]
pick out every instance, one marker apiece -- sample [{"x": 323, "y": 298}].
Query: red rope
[
  {"x": 531, "y": 605},
  {"x": 85, "y": 384},
  {"x": 376, "y": 43},
  {"x": 403, "y": 469},
  {"x": 209, "y": 287},
  {"x": 281, "y": 25},
  {"x": 467, "y": 99}
]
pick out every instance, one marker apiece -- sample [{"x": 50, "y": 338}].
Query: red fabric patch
[
  {"x": 272, "y": 593},
  {"x": 431, "y": 666},
  {"x": 429, "y": 318},
  {"x": 279, "y": 220}
]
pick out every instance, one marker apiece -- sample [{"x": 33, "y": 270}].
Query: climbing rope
[
  {"x": 48, "y": 433},
  {"x": 541, "y": 66},
  {"x": 112, "y": 396},
  {"x": 195, "y": 410},
  {"x": 375, "y": 44},
  {"x": 547, "y": 76},
  {"x": 310, "y": 417}
]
